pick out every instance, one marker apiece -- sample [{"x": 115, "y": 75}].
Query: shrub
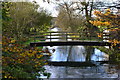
[{"x": 20, "y": 61}]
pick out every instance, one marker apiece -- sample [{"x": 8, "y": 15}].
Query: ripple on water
[{"x": 79, "y": 72}]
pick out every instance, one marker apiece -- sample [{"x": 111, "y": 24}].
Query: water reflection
[
  {"x": 79, "y": 53},
  {"x": 99, "y": 56},
  {"x": 103, "y": 71},
  {"x": 74, "y": 53}
]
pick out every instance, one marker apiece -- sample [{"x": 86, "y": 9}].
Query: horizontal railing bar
[
  {"x": 105, "y": 33},
  {"x": 66, "y": 34},
  {"x": 67, "y": 38},
  {"x": 56, "y": 35},
  {"x": 38, "y": 36},
  {"x": 63, "y": 32},
  {"x": 53, "y": 41},
  {"x": 106, "y": 38},
  {"x": 59, "y": 38},
  {"x": 71, "y": 36},
  {"x": 55, "y": 32},
  {"x": 41, "y": 39}
]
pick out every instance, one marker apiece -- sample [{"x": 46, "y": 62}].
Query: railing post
[
  {"x": 34, "y": 38},
  {"x": 66, "y": 36},
  {"x": 79, "y": 35},
  {"x": 50, "y": 36}
]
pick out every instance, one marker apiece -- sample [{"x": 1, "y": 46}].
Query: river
[{"x": 79, "y": 54}]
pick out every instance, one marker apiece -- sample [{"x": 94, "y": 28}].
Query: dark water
[
  {"x": 74, "y": 53},
  {"x": 78, "y": 53},
  {"x": 81, "y": 54},
  {"x": 103, "y": 71}
]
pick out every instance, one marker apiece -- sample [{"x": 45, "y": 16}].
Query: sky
[{"x": 51, "y": 7}]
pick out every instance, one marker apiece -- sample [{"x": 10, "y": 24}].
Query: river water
[{"x": 79, "y": 54}]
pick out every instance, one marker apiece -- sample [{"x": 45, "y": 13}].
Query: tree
[
  {"x": 20, "y": 60},
  {"x": 24, "y": 17},
  {"x": 106, "y": 20},
  {"x": 76, "y": 15},
  {"x": 110, "y": 22},
  {"x": 69, "y": 20}
]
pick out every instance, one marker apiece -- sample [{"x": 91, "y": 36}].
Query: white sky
[{"x": 51, "y": 7}]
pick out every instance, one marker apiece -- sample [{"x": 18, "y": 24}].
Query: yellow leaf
[
  {"x": 13, "y": 41},
  {"x": 5, "y": 76},
  {"x": 39, "y": 56}
]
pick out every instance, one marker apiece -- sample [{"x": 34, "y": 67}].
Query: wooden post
[
  {"x": 90, "y": 34},
  {"x": 79, "y": 35},
  {"x": 34, "y": 38},
  {"x": 50, "y": 36},
  {"x": 66, "y": 36}
]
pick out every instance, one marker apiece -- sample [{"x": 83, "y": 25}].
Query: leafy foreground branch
[{"x": 20, "y": 61}]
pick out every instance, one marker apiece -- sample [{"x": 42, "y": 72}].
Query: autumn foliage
[
  {"x": 108, "y": 21},
  {"x": 20, "y": 61}
]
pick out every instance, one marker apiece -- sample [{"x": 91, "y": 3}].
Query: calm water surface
[{"x": 79, "y": 53}]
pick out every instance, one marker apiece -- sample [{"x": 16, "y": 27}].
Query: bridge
[{"x": 68, "y": 38}]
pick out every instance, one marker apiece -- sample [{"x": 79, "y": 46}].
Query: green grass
[{"x": 27, "y": 43}]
